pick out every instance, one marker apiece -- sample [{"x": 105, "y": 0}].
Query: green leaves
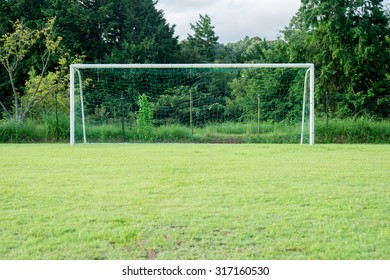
[
  {"x": 14, "y": 46},
  {"x": 346, "y": 41},
  {"x": 144, "y": 118}
]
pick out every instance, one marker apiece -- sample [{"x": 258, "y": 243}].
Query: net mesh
[{"x": 190, "y": 105}]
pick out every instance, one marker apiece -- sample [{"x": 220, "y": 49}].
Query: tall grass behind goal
[{"x": 264, "y": 103}]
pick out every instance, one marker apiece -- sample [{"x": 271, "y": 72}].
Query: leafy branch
[{"x": 14, "y": 47}]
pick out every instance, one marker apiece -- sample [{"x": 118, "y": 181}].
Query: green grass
[{"x": 194, "y": 201}]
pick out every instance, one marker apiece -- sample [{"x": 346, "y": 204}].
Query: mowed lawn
[{"x": 194, "y": 201}]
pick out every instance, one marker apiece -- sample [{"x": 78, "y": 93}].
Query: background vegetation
[{"x": 348, "y": 41}]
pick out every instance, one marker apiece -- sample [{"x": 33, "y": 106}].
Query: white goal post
[{"x": 75, "y": 78}]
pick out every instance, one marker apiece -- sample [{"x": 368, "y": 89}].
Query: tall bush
[{"x": 144, "y": 118}]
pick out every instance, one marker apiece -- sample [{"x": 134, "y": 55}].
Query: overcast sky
[{"x": 233, "y": 19}]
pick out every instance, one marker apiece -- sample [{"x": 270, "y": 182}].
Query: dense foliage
[{"x": 349, "y": 43}]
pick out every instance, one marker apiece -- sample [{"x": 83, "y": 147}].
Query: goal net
[{"x": 218, "y": 103}]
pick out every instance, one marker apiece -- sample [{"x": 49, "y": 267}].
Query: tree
[
  {"x": 26, "y": 11},
  {"x": 123, "y": 31},
  {"x": 202, "y": 45},
  {"x": 256, "y": 50},
  {"x": 116, "y": 31},
  {"x": 14, "y": 47},
  {"x": 105, "y": 31},
  {"x": 347, "y": 42}
]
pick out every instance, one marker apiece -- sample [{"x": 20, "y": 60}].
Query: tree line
[{"x": 348, "y": 41}]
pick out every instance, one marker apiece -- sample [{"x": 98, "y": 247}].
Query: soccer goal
[{"x": 218, "y": 103}]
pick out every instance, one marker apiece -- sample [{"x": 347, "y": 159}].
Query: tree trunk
[{"x": 16, "y": 99}]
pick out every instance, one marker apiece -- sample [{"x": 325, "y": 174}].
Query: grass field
[{"x": 194, "y": 201}]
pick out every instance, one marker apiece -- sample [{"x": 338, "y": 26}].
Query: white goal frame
[{"x": 309, "y": 66}]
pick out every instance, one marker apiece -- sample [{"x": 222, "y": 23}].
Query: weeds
[
  {"x": 353, "y": 131},
  {"x": 47, "y": 129}
]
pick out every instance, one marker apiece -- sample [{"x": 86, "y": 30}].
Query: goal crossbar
[
  {"x": 308, "y": 66},
  {"x": 157, "y": 66}
]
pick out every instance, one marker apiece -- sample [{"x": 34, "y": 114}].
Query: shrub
[{"x": 144, "y": 118}]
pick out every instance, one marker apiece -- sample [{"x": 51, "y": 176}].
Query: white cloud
[{"x": 233, "y": 19}]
